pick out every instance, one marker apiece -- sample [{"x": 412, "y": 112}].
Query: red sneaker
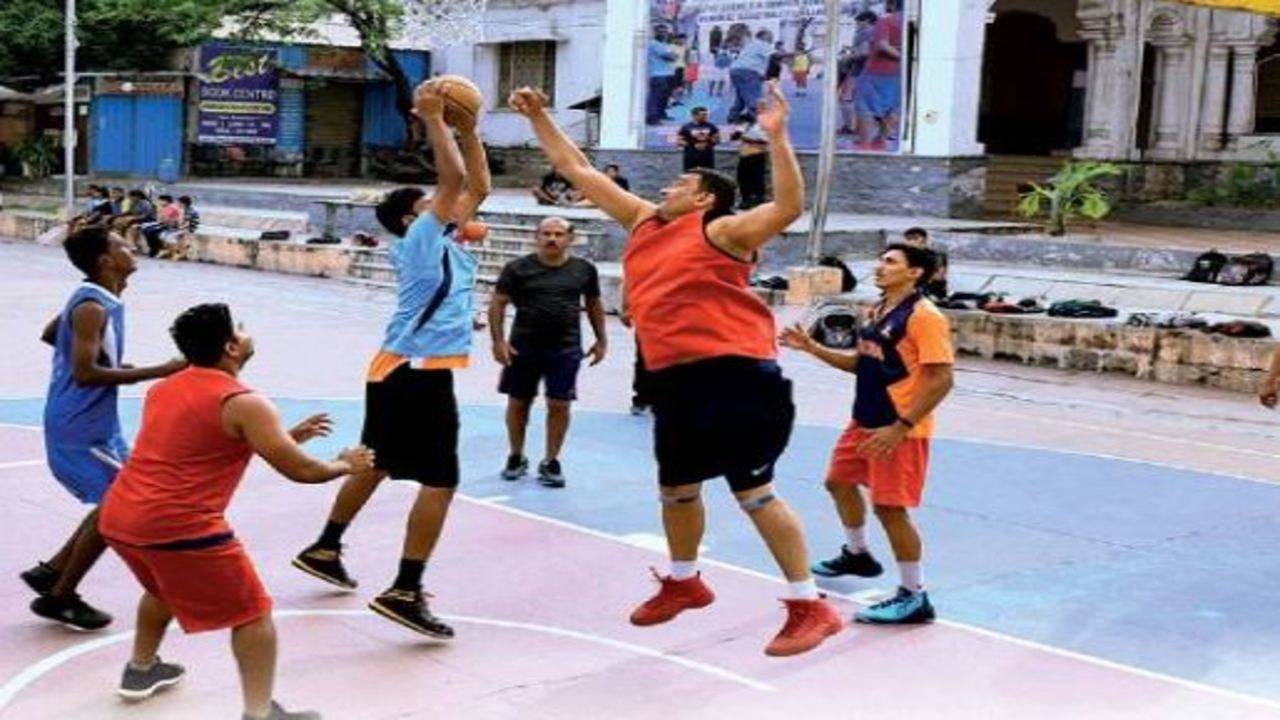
[
  {"x": 809, "y": 622},
  {"x": 673, "y": 598}
]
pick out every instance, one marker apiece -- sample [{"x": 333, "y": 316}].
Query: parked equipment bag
[{"x": 1251, "y": 269}]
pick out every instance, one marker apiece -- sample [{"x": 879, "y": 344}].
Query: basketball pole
[
  {"x": 69, "y": 114},
  {"x": 827, "y": 148}
]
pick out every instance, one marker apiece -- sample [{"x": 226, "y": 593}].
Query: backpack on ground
[
  {"x": 1251, "y": 269},
  {"x": 835, "y": 326},
  {"x": 1240, "y": 329},
  {"x": 848, "y": 282},
  {"x": 1206, "y": 267},
  {"x": 1081, "y": 309}
]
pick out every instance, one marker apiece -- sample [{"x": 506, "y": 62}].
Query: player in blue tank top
[{"x": 83, "y": 442}]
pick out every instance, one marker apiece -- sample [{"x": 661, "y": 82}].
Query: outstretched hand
[
  {"x": 528, "y": 101},
  {"x": 1269, "y": 393},
  {"x": 360, "y": 459},
  {"x": 773, "y": 110},
  {"x": 313, "y": 427},
  {"x": 797, "y": 338}
]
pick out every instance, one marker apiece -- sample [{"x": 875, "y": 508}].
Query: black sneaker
[
  {"x": 861, "y": 564},
  {"x": 325, "y": 564},
  {"x": 517, "y": 466},
  {"x": 409, "y": 608},
  {"x": 279, "y": 713},
  {"x": 549, "y": 474},
  {"x": 40, "y": 578},
  {"x": 70, "y": 611},
  {"x": 139, "y": 684}
]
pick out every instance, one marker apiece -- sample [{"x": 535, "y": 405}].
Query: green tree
[{"x": 141, "y": 35}]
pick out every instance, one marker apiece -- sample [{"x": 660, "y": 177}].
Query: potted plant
[
  {"x": 38, "y": 157},
  {"x": 1071, "y": 193}
]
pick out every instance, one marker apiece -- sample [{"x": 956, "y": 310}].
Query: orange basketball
[
  {"x": 463, "y": 99},
  {"x": 474, "y": 231}
]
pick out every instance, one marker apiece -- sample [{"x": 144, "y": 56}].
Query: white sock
[
  {"x": 912, "y": 576},
  {"x": 681, "y": 570},
  {"x": 804, "y": 590},
  {"x": 856, "y": 539}
]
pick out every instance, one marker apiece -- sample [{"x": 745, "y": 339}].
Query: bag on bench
[
  {"x": 1251, "y": 269},
  {"x": 1206, "y": 267}
]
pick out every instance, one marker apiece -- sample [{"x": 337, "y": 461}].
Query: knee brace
[
  {"x": 686, "y": 499},
  {"x": 754, "y": 504}
]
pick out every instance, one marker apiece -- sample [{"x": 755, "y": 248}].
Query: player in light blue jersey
[
  {"x": 82, "y": 437},
  {"x": 411, "y": 413}
]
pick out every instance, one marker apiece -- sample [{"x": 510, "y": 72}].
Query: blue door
[{"x": 134, "y": 134}]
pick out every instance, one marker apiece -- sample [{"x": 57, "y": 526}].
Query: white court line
[
  {"x": 20, "y": 464},
  {"x": 16, "y": 684},
  {"x": 29, "y": 428},
  {"x": 855, "y": 598}
]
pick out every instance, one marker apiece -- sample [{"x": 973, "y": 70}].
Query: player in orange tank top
[
  {"x": 721, "y": 405},
  {"x": 165, "y": 514}
]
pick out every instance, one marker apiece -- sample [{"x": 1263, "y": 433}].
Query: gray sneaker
[
  {"x": 140, "y": 684},
  {"x": 279, "y": 713}
]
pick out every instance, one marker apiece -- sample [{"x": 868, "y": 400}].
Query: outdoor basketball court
[{"x": 1095, "y": 547}]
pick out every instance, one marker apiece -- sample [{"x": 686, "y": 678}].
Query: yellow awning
[{"x": 1270, "y": 7}]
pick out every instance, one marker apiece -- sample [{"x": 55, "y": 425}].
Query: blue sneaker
[{"x": 905, "y": 608}]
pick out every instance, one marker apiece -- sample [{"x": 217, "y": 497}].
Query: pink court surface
[{"x": 1096, "y": 548}]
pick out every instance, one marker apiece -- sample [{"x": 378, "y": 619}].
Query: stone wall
[
  {"x": 278, "y": 257},
  {"x": 878, "y": 184},
  {"x": 1185, "y": 357}
]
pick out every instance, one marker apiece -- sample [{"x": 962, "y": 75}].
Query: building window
[{"x": 526, "y": 63}]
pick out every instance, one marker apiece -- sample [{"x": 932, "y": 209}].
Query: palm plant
[{"x": 1071, "y": 193}]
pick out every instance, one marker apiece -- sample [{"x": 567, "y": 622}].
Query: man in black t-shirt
[
  {"x": 548, "y": 289},
  {"x": 699, "y": 139}
]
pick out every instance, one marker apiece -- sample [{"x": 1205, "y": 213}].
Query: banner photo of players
[{"x": 718, "y": 54}]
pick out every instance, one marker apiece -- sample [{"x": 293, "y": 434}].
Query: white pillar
[
  {"x": 1115, "y": 73},
  {"x": 1215, "y": 98},
  {"x": 1244, "y": 91},
  {"x": 623, "y": 83},
  {"x": 1171, "y": 112},
  {"x": 949, "y": 77}
]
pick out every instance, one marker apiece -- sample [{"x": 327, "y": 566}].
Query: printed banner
[
  {"x": 718, "y": 54},
  {"x": 239, "y": 95}
]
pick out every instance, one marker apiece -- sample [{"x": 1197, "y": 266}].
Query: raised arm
[
  {"x": 746, "y": 232},
  {"x": 1269, "y": 390},
  {"x": 255, "y": 419},
  {"x": 451, "y": 175},
  {"x": 569, "y": 160},
  {"x": 476, "y": 162},
  {"x": 87, "y": 323}
]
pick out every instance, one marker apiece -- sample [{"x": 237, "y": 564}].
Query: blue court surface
[{"x": 1164, "y": 570}]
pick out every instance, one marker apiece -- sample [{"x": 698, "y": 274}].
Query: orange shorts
[
  {"x": 212, "y": 588},
  {"x": 895, "y": 481}
]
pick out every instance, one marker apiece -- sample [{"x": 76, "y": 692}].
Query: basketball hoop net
[{"x": 437, "y": 23}]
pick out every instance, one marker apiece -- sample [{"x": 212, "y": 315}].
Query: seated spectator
[
  {"x": 136, "y": 210},
  {"x": 613, "y": 172},
  {"x": 116, "y": 201},
  {"x": 178, "y": 242},
  {"x": 168, "y": 221},
  {"x": 555, "y": 189},
  {"x": 936, "y": 287}
]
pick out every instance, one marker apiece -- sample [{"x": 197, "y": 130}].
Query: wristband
[{"x": 910, "y": 425}]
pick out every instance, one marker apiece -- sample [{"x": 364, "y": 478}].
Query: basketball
[
  {"x": 462, "y": 99},
  {"x": 474, "y": 232}
]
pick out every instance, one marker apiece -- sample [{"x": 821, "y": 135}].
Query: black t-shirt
[
  {"x": 547, "y": 301},
  {"x": 700, "y": 144}
]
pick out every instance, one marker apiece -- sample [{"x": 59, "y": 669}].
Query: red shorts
[
  {"x": 209, "y": 589},
  {"x": 895, "y": 481}
]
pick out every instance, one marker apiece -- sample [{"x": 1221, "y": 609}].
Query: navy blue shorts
[{"x": 558, "y": 369}]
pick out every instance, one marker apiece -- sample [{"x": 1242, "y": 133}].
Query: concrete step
[{"x": 258, "y": 219}]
